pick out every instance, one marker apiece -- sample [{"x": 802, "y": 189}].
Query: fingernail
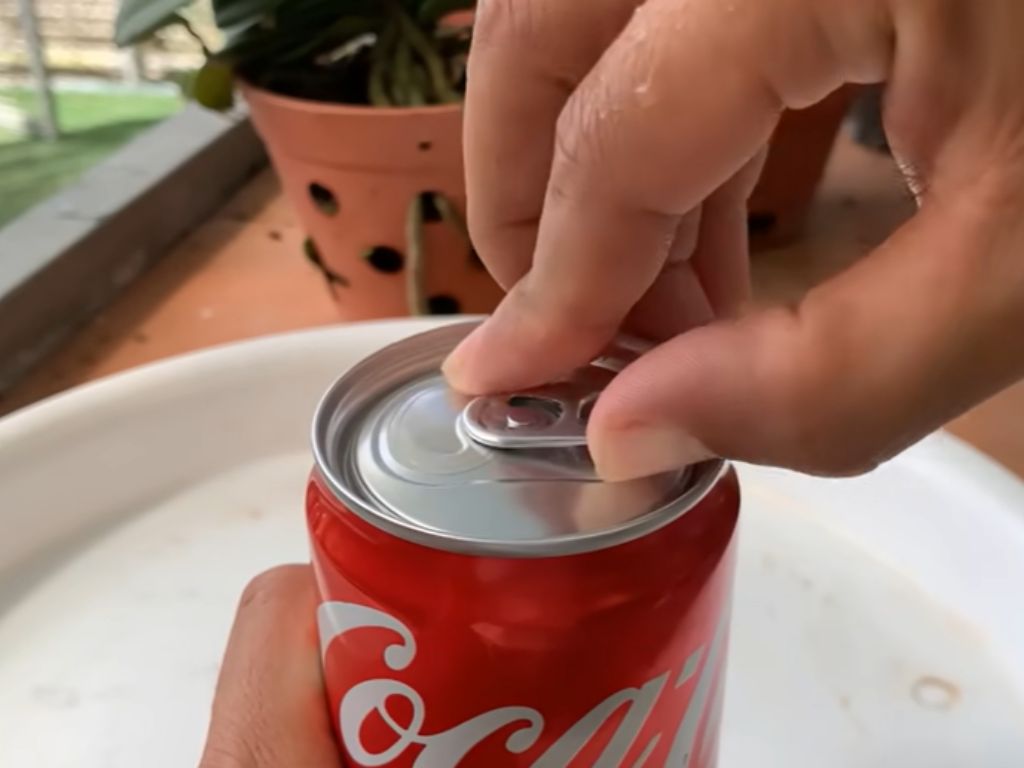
[{"x": 644, "y": 451}]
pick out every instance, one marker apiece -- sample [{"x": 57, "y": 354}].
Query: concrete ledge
[{"x": 69, "y": 256}]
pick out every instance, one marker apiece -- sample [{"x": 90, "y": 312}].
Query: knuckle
[
  {"x": 503, "y": 21},
  {"x": 233, "y": 746},
  {"x": 504, "y": 248},
  {"x": 272, "y": 586},
  {"x": 487, "y": 234},
  {"x": 577, "y": 130},
  {"x": 579, "y": 148},
  {"x": 221, "y": 755}
]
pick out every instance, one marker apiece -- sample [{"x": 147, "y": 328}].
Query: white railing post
[
  {"x": 37, "y": 64},
  {"x": 133, "y": 67}
]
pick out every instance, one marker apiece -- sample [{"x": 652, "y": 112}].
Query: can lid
[{"x": 507, "y": 475}]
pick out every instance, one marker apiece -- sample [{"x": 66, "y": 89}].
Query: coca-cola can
[{"x": 486, "y": 600}]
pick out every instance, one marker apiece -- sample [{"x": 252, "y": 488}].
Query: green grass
[{"x": 93, "y": 125}]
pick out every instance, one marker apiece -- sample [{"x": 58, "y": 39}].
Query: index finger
[
  {"x": 685, "y": 96},
  {"x": 526, "y": 59}
]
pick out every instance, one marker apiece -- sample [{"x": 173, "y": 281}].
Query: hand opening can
[{"x": 487, "y": 600}]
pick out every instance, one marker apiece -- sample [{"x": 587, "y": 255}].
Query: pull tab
[
  {"x": 549, "y": 417},
  {"x": 554, "y": 416}
]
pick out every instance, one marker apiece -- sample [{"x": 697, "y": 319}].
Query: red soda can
[{"x": 487, "y": 601}]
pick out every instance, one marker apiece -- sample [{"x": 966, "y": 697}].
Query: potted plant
[{"x": 359, "y": 105}]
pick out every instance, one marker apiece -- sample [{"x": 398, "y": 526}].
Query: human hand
[
  {"x": 270, "y": 710},
  {"x": 611, "y": 146}
]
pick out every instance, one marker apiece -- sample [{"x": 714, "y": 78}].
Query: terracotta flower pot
[
  {"x": 797, "y": 156},
  {"x": 352, "y": 173}
]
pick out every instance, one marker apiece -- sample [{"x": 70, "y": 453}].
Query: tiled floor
[{"x": 243, "y": 275}]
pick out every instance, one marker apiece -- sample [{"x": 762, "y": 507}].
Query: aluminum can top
[{"x": 505, "y": 476}]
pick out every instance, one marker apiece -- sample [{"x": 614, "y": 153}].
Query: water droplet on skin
[
  {"x": 638, "y": 29},
  {"x": 644, "y": 93}
]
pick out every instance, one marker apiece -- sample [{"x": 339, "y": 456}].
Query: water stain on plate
[{"x": 933, "y": 692}]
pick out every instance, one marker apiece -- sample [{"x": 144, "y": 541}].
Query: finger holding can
[{"x": 269, "y": 710}]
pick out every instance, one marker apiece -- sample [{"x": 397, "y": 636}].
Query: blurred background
[{"x": 69, "y": 96}]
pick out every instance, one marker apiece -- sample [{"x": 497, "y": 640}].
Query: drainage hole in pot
[
  {"x": 425, "y": 146},
  {"x": 761, "y": 222},
  {"x": 443, "y": 305},
  {"x": 323, "y": 199},
  {"x": 428, "y": 204},
  {"x": 384, "y": 259}
]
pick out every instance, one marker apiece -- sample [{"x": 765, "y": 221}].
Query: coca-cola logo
[{"x": 445, "y": 749}]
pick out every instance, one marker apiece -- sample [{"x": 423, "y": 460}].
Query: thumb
[
  {"x": 866, "y": 364},
  {"x": 270, "y": 710}
]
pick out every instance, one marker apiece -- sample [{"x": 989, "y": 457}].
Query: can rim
[{"x": 703, "y": 478}]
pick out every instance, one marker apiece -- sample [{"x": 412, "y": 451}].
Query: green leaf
[
  {"x": 333, "y": 37},
  {"x": 241, "y": 30},
  {"x": 138, "y": 19},
  {"x": 228, "y": 13},
  {"x": 432, "y": 11},
  {"x": 214, "y": 86},
  {"x": 256, "y": 46}
]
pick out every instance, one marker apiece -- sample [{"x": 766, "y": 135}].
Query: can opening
[
  {"x": 530, "y": 411},
  {"x": 585, "y": 407}
]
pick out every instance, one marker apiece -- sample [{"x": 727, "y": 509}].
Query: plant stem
[
  {"x": 434, "y": 64},
  {"x": 401, "y": 79},
  {"x": 419, "y": 86},
  {"x": 378, "y": 67},
  {"x": 451, "y": 214},
  {"x": 191, "y": 31},
  {"x": 415, "y": 292}
]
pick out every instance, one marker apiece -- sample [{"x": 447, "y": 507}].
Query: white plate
[{"x": 879, "y": 621}]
